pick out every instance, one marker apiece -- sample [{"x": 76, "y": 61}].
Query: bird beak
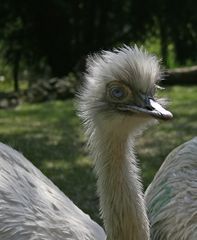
[{"x": 150, "y": 107}]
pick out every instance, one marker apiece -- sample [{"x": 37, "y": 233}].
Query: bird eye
[{"x": 117, "y": 91}]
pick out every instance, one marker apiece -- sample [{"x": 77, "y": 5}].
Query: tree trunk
[
  {"x": 164, "y": 42},
  {"x": 16, "y": 66},
  {"x": 181, "y": 76}
]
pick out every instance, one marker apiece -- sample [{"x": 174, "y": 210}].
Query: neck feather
[{"x": 119, "y": 187}]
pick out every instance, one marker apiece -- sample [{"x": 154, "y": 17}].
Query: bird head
[{"x": 120, "y": 86}]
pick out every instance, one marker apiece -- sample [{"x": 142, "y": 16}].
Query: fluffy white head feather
[
  {"x": 132, "y": 65},
  {"x": 133, "y": 71}
]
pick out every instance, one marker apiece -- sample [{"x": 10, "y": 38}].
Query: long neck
[{"x": 119, "y": 188}]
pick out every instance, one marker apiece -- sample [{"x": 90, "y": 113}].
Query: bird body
[
  {"x": 116, "y": 103},
  {"x": 171, "y": 198},
  {"x": 33, "y": 208}
]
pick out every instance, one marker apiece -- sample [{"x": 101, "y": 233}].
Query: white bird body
[
  {"x": 171, "y": 198},
  {"x": 33, "y": 208}
]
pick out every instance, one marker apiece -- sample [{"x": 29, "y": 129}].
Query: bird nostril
[{"x": 148, "y": 107}]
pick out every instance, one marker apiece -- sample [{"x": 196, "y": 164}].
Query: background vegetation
[
  {"x": 54, "y": 36},
  {"x": 48, "y": 41}
]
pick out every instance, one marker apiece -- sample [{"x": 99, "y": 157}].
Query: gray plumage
[
  {"x": 171, "y": 198},
  {"x": 33, "y": 208}
]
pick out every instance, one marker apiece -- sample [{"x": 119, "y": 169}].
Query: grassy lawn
[{"x": 50, "y": 135}]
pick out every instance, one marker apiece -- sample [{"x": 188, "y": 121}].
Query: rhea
[{"x": 116, "y": 102}]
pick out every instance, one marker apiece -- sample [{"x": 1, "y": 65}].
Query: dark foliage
[{"x": 60, "y": 33}]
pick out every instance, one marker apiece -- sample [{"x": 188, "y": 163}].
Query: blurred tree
[
  {"x": 12, "y": 48},
  {"x": 184, "y": 29}
]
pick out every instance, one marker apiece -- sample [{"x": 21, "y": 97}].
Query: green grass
[{"x": 50, "y": 135}]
